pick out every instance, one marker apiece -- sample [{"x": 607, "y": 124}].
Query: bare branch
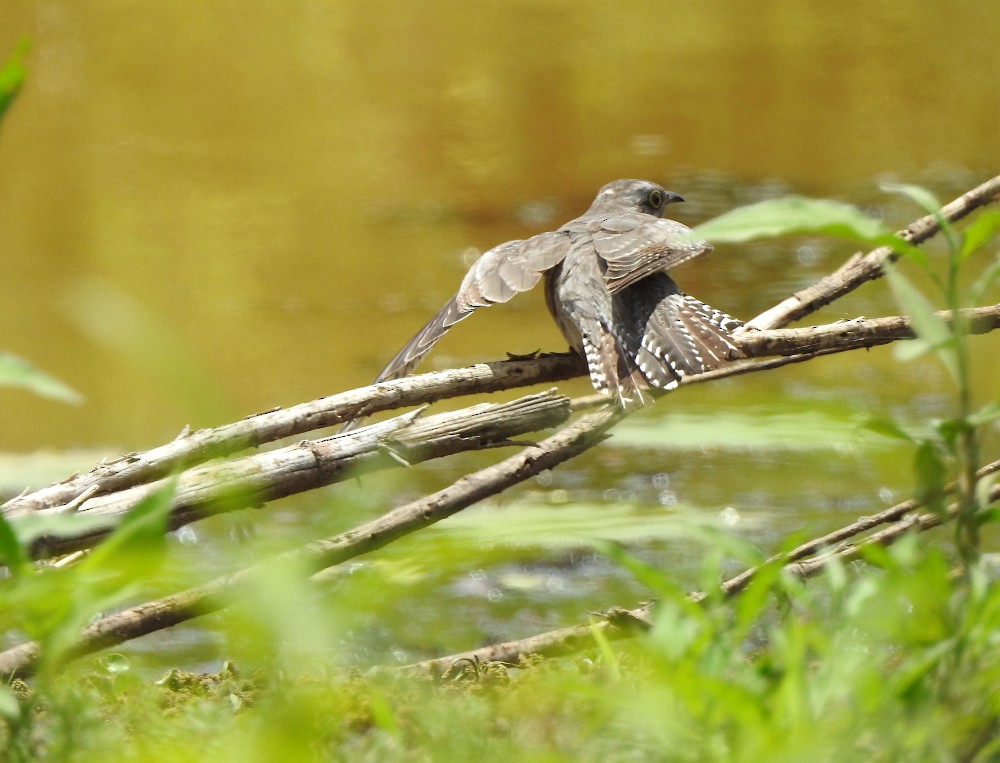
[
  {"x": 855, "y": 333},
  {"x": 258, "y": 478},
  {"x": 254, "y": 480},
  {"x": 192, "y": 448},
  {"x": 843, "y": 534}
]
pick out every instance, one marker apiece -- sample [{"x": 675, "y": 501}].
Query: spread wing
[
  {"x": 495, "y": 277},
  {"x": 636, "y": 245}
]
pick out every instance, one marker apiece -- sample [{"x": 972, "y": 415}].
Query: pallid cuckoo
[{"x": 607, "y": 287}]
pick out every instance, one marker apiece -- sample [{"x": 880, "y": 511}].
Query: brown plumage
[{"x": 606, "y": 286}]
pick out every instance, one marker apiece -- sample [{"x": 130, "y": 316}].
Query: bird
[{"x": 606, "y": 285}]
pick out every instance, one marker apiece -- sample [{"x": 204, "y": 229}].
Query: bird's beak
[{"x": 673, "y": 198}]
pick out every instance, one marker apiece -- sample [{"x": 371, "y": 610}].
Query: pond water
[{"x": 210, "y": 209}]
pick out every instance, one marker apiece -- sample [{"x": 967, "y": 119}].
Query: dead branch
[
  {"x": 855, "y": 333},
  {"x": 255, "y": 480},
  {"x": 192, "y": 448},
  {"x": 260, "y": 478},
  {"x": 837, "y": 537}
]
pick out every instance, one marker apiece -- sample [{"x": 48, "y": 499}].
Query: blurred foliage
[
  {"x": 791, "y": 426},
  {"x": 886, "y": 662},
  {"x": 12, "y": 76},
  {"x": 17, "y": 372},
  {"x": 888, "y": 659}
]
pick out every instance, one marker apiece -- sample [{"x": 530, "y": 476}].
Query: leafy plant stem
[{"x": 967, "y": 444}]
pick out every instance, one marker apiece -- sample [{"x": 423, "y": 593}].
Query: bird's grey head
[{"x": 633, "y": 196}]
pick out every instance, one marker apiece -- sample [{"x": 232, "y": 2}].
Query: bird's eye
[{"x": 655, "y": 198}]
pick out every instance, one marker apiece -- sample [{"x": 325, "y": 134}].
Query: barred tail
[{"x": 673, "y": 335}]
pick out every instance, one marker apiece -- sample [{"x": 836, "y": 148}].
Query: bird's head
[{"x": 634, "y": 196}]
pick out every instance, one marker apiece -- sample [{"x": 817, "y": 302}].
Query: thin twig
[{"x": 831, "y": 540}]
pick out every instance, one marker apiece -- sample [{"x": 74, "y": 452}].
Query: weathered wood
[
  {"x": 193, "y": 448},
  {"x": 216, "y": 594},
  {"x": 254, "y": 480}
]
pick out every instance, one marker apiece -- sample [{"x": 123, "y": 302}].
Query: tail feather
[
  {"x": 711, "y": 331},
  {"x": 600, "y": 354},
  {"x": 414, "y": 351},
  {"x": 673, "y": 335}
]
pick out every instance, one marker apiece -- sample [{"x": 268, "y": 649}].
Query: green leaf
[
  {"x": 983, "y": 492},
  {"x": 931, "y": 473},
  {"x": 607, "y": 653},
  {"x": 904, "y": 352},
  {"x": 131, "y": 555},
  {"x": 791, "y": 214},
  {"x": 988, "y": 413},
  {"x": 17, "y": 372},
  {"x": 12, "y": 75},
  {"x": 798, "y": 215},
  {"x": 920, "y": 195},
  {"x": 911, "y": 675},
  {"x": 887, "y": 428},
  {"x": 12, "y": 553},
  {"x": 33, "y": 526},
  {"x": 979, "y": 232},
  {"x": 949, "y": 431},
  {"x": 989, "y": 516},
  {"x": 986, "y": 280},
  {"x": 649, "y": 575},
  {"x": 133, "y": 551},
  {"x": 10, "y": 708},
  {"x": 929, "y": 327}
]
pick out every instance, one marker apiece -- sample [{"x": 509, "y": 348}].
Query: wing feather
[
  {"x": 636, "y": 245},
  {"x": 495, "y": 277}
]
